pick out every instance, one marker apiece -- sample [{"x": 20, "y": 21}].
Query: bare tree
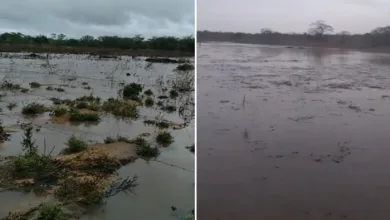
[{"x": 319, "y": 28}]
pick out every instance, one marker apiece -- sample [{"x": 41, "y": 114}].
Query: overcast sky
[
  {"x": 98, "y": 17},
  {"x": 356, "y": 16}
]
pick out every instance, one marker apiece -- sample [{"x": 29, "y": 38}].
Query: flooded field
[
  {"x": 166, "y": 183},
  {"x": 292, "y": 133}
]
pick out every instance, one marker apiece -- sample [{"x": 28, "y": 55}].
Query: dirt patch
[
  {"x": 132, "y": 102},
  {"x": 117, "y": 150}
]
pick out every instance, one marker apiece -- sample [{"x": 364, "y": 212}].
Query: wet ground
[
  {"x": 289, "y": 133},
  {"x": 165, "y": 182}
]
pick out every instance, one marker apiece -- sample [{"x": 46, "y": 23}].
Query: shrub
[
  {"x": 144, "y": 149},
  {"x": 35, "y": 85},
  {"x": 58, "y": 112},
  {"x": 82, "y": 105},
  {"x": 164, "y": 138},
  {"x": 51, "y": 212},
  {"x": 123, "y": 139},
  {"x": 173, "y": 94},
  {"x": 149, "y": 102},
  {"x": 10, "y": 86},
  {"x": 75, "y": 145},
  {"x": 24, "y": 164},
  {"x": 169, "y": 108},
  {"x": 185, "y": 67},
  {"x": 89, "y": 98},
  {"x": 11, "y": 105},
  {"x": 109, "y": 140},
  {"x": 33, "y": 109},
  {"x": 162, "y": 124},
  {"x": 148, "y": 92},
  {"x": 132, "y": 91},
  {"x": 24, "y": 90},
  {"x": 60, "y": 89},
  {"x": 120, "y": 108},
  {"x": 191, "y": 148},
  {"x": 77, "y": 116},
  {"x": 88, "y": 190}
]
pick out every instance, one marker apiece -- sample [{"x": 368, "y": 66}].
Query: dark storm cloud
[
  {"x": 99, "y": 17},
  {"x": 356, "y": 16}
]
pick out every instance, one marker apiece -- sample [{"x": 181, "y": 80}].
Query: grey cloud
[
  {"x": 99, "y": 17},
  {"x": 357, "y": 16}
]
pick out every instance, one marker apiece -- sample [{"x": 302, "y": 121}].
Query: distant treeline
[
  {"x": 185, "y": 44},
  {"x": 319, "y": 35}
]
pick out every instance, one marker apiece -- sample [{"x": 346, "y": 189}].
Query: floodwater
[
  {"x": 289, "y": 133},
  {"x": 165, "y": 182}
]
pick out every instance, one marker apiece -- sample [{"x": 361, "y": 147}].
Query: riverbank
[{"x": 91, "y": 50}]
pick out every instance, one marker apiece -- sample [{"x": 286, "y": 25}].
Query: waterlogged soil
[
  {"x": 292, "y": 133},
  {"x": 163, "y": 182}
]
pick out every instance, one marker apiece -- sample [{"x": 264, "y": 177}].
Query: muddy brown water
[
  {"x": 292, "y": 133},
  {"x": 167, "y": 182}
]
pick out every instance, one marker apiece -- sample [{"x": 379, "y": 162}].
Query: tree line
[
  {"x": 167, "y": 43},
  {"x": 319, "y": 34}
]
